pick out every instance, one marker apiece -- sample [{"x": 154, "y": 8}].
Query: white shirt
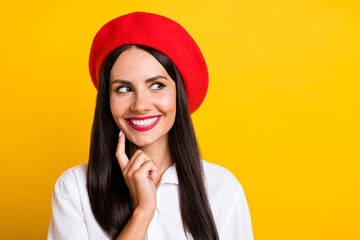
[{"x": 72, "y": 217}]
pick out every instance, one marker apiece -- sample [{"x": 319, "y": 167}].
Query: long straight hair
[{"x": 108, "y": 193}]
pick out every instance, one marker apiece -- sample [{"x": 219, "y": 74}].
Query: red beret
[{"x": 162, "y": 34}]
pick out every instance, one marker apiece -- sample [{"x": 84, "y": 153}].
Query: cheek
[
  {"x": 168, "y": 105},
  {"x": 117, "y": 107}
]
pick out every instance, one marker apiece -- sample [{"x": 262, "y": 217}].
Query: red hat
[{"x": 162, "y": 34}]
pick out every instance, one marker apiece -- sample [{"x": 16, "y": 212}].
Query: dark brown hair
[{"x": 108, "y": 193}]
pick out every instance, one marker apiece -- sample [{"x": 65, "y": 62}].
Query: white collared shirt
[{"x": 72, "y": 217}]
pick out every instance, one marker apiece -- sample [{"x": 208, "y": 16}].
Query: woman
[{"x": 147, "y": 181}]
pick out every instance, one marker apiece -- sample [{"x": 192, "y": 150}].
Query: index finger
[{"x": 120, "y": 151}]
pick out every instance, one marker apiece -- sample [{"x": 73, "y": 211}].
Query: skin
[{"x": 149, "y": 150}]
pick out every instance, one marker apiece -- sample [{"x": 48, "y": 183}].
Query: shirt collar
[{"x": 170, "y": 175}]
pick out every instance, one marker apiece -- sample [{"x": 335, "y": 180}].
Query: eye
[
  {"x": 123, "y": 89},
  {"x": 157, "y": 85}
]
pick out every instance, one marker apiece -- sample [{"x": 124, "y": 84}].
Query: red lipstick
[
  {"x": 142, "y": 129},
  {"x": 143, "y": 118}
]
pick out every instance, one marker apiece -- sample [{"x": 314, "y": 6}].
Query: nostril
[{"x": 136, "y": 107}]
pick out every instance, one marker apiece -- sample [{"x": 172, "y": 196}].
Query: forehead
[{"x": 136, "y": 64}]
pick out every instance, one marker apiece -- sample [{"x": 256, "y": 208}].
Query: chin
[{"x": 142, "y": 142}]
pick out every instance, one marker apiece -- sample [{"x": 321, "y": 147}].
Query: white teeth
[{"x": 144, "y": 123}]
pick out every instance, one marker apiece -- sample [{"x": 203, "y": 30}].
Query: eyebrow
[{"x": 147, "y": 80}]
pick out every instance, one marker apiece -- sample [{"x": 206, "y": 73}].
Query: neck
[{"x": 158, "y": 152}]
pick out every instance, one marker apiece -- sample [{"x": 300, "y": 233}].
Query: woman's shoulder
[
  {"x": 74, "y": 176},
  {"x": 216, "y": 171},
  {"x": 80, "y": 171},
  {"x": 218, "y": 176}
]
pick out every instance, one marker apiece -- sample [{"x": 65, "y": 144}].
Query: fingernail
[{"x": 120, "y": 133}]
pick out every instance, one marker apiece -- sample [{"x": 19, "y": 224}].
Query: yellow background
[{"x": 282, "y": 111}]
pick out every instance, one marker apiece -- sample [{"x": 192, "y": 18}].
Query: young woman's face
[{"x": 142, "y": 97}]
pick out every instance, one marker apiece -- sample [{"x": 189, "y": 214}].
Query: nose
[{"x": 141, "y": 104}]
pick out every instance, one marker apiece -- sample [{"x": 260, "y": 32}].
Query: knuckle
[
  {"x": 136, "y": 155},
  {"x": 139, "y": 151},
  {"x": 137, "y": 174},
  {"x": 130, "y": 173},
  {"x": 148, "y": 163}
]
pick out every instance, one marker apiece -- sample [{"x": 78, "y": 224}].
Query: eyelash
[{"x": 161, "y": 86}]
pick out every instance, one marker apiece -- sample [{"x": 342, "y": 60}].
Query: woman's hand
[{"x": 139, "y": 173}]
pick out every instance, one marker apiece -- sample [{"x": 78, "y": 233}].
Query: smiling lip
[
  {"x": 143, "y": 118},
  {"x": 142, "y": 129}
]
